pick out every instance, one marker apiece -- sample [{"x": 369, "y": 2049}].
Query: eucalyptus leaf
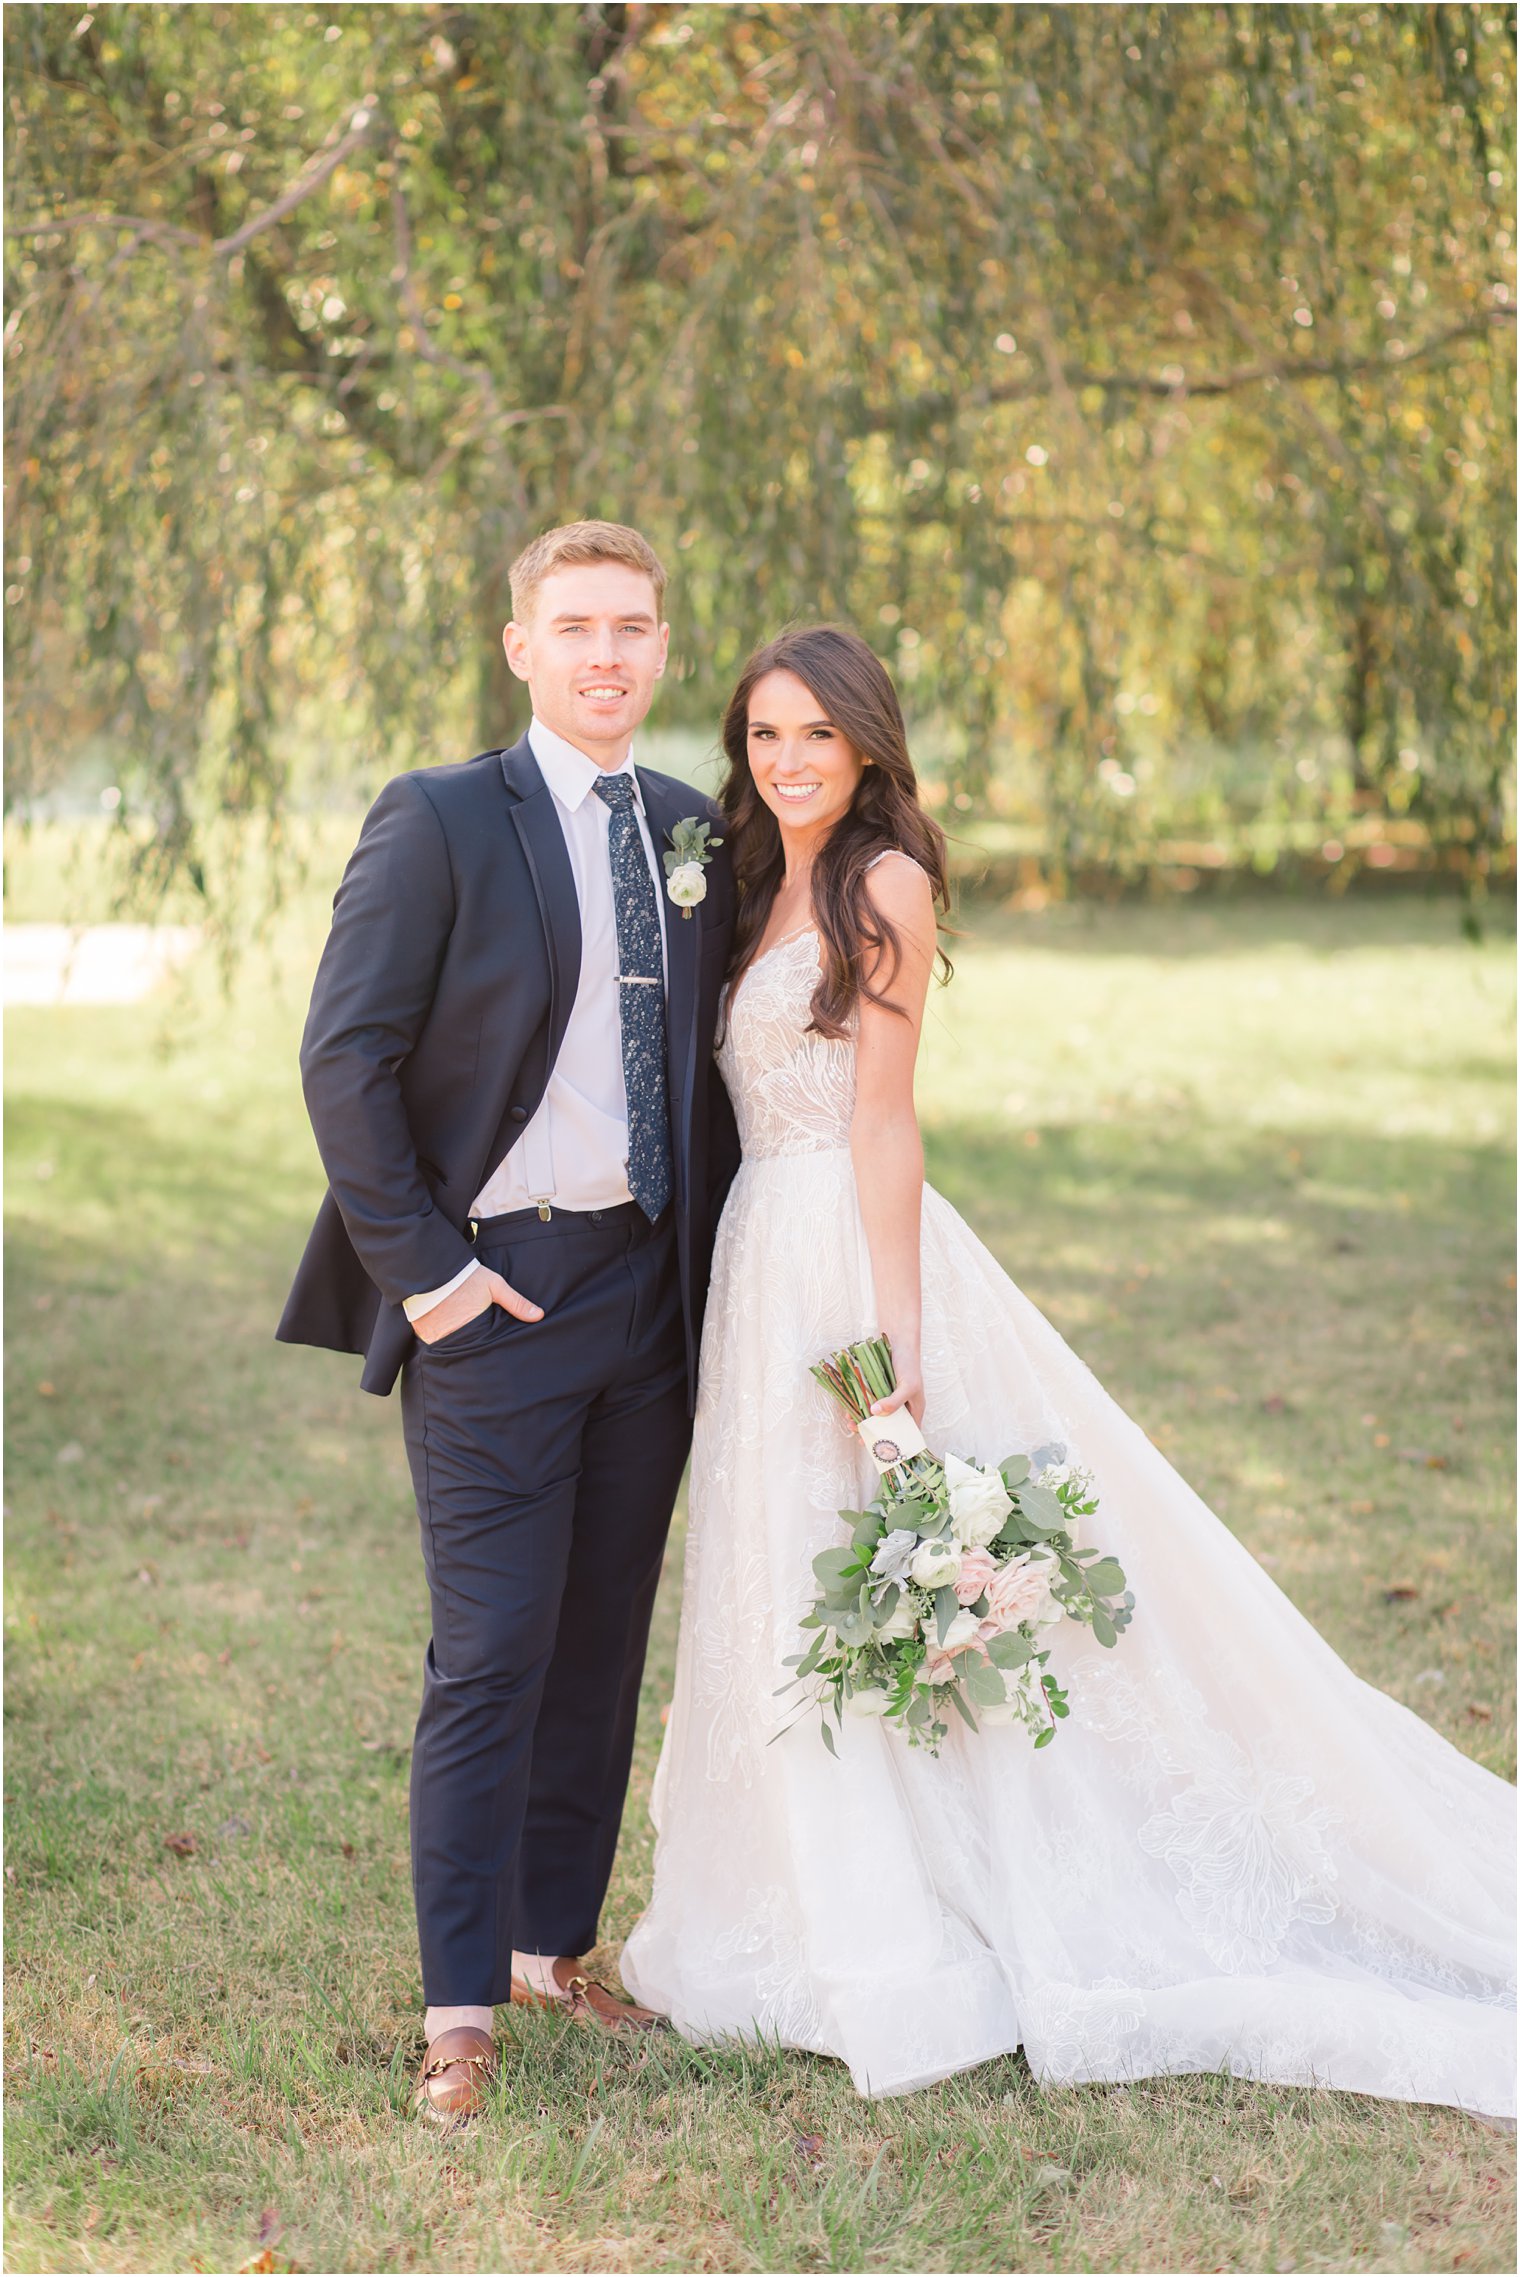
[
  {"x": 984, "y": 1684},
  {"x": 946, "y": 1606},
  {"x": 960, "y": 1706},
  {"x": 1103, "y": 1628},
  {"x": 866, "y": 1533},
  {"x": 1106, "y": 1578},
  {"x": 1010, "y": 1650},
  {"x": 1014, "y": 1471},
  {"x": 1042, "y": 1508}
]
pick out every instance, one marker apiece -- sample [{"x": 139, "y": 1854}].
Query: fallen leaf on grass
[
  {"x": 347, "y": 1849},
  {"x": 1274, "y": 1403},
  {"x": 1401, "y": 1593},
  {"x": 809, "y": 2149},
  {"x": 270, "y": 2225},
  {"x": 1361, "y": 1509},
  {"x": 1419, "y": 1456},
  {"x": 1479, "y": 1715},
  {"x": 45, "y": 1390},
  {"x": 183, "y": 1845}
]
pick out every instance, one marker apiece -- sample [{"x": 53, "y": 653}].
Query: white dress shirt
[{"x": 573, "y": 1153}]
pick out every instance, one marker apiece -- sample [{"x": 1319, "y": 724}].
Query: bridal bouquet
[{"x": 950, "y": 1578}]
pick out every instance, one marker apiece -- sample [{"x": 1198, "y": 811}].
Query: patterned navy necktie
[{"x": 641, "y": 998}]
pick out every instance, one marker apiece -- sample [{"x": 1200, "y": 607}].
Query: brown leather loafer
[
  {"x": 452, "y": 2082},
  {"x": 587, "y": 2001}
]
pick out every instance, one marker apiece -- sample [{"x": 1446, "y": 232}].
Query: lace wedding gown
[{"x": 1236, "y": 1854}]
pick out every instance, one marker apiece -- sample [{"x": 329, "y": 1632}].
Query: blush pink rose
[
  {"x": 1016, "y": 1594},
  {"x": 976, "y": 1574}
]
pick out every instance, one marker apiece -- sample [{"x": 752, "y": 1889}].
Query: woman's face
[{"x": 802, "y": 766}]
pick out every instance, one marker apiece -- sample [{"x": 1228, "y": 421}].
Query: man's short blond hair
[{"x": 575, "y": 543}]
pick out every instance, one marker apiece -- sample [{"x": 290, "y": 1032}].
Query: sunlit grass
[{"x": 1256, "y": 1164}]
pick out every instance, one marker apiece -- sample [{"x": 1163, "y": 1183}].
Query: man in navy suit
[{"x": 508, "y": 1065}]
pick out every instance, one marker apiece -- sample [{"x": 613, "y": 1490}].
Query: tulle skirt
[{"x": 1236, "y": 1855}]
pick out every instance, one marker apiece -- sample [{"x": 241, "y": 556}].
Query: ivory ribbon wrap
[{"x": 891, "y": 1439}]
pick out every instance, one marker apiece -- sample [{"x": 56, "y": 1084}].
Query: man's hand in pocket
[{"x": 469, "y": 1300}]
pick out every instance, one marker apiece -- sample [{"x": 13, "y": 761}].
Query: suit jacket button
[{"x": 519, "y": 1114}]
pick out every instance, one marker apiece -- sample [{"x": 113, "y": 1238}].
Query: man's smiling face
[{"x": 591, "y": 650}]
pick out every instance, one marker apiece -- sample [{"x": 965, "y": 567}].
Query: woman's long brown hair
[{"x": 854, "y": 691}]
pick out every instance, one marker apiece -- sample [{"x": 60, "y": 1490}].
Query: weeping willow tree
[{"x": 1140, "y": 379}]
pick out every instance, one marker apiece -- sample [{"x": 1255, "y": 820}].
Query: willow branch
[
  {"x": 361, "y": 125},
  {"x": 476, "y": 373},
  {"x": 360, "y": 128},
  {"x": 1294, "y": 369}
]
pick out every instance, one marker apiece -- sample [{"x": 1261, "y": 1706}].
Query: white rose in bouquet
[
  {"x": 868, "y": 1700},
  {"x": 963, "y": 1630},
  {"x": 901, "y": 1622},
  {"x": 936, "y": 1565},
  {"x": 979, "y": 1503}
]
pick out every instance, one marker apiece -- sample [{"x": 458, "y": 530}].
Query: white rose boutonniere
[{"x": 686, "y": 859}]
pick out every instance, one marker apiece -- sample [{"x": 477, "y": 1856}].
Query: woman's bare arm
[{"x": 884, "y": 1137}]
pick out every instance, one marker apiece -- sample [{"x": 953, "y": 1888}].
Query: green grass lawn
[{"x": 1256, "y": 1164}]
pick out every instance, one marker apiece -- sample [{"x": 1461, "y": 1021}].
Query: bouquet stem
[{"x": 857, "y": 1376}]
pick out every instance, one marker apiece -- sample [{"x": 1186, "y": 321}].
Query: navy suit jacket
[{"x": 438, "y": 1011}]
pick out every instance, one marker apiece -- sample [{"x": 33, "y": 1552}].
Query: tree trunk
[{"x": 501, "y": 699}]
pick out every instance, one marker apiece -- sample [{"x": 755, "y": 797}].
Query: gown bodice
[{"x": 793, "y": 1090}]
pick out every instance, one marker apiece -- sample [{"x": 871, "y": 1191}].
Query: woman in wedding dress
[{"x": 1237, "y": 1855}]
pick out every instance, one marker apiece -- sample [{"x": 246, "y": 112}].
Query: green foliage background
[{"x": 1140, "y": 379}]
